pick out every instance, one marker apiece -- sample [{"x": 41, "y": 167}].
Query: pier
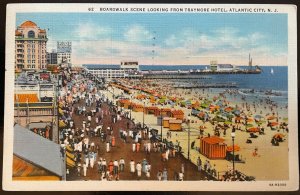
[{"x": 210, "y": 85}]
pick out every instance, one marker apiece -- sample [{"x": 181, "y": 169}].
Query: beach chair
[{"x": 252, "y": 135}]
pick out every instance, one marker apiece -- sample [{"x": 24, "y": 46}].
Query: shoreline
[{"x": 254, "y": 166}]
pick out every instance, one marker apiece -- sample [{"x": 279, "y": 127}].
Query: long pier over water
[{"x": 191, "y": 74}]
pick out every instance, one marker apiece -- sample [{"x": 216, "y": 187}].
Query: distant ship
[{"x": 272, "y": 71}]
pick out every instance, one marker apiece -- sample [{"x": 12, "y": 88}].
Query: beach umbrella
[
  {"x": 236, "y": 112},
  {"x": 253, "y": 130},
  {"x": 219, "y": 103},
  {"x": 271, "y": 118},
  {"x": 260, "y": 122},
  {"x": 235, "y": 147},
  {"x": 249, "y": 120},
  {"x": 204, "y": 105},
  {"x": 272, "y": 124},
  {"x": 249, "y": 125},
  {"x": 278, "y": 135},
  {"x": 258, "y": 117},
  {"x": 227, "y": 122},
  {"x": 238, "y": 118},
  {"x": 228, "y": 109}
]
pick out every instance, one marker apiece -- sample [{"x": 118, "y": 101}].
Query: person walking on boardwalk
[
  {"x": 86, "y": 157},
  {"x": 84, "y": 169},
  {"x": 79, "y": 169},
  {"x": 107, "y": 147},
  {"x": 92, "y": 159},
  {"x": 104, "y": 165},
  {"x": 122, "y": 164},
  {"x": 159, "y": 175},
  {"x": 111, "y": 167},
  {"x": 148, "y": 169},
  {"x": 144, "y": 165},
  {"x": 199, "y": 164},
  {"x": 132, "y": 166},
  {"x": 113, "y": 141},
  {"x": 116, "y": 167},
  {"x": 165, "y": 175},
  {"x": 133, "y": 147},
  {"x": 180, "y": 176},
  {"x": 139, "y": 169}
]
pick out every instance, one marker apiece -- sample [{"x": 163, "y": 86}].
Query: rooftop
[
  {"x": 37, "y": 150},
  {"x": 101, "y": 66},
  {"x": 213, "y": 140},
  {"x": 28, "y": 24}
]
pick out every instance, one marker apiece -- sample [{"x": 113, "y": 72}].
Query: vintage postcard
[{"x": 161, "y": 97}]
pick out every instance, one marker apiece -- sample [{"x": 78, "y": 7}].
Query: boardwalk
[{"x": 124, "y": 150}]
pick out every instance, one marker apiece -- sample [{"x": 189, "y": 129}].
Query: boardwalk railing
[{"x": 34, "y": 109}]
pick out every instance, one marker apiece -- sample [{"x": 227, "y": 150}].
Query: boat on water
[{"x": 272, "y": 71}]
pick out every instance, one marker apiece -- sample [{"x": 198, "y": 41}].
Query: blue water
[
  {"x": 264, "y": 81},
  {"x": 277, "y": 82}
]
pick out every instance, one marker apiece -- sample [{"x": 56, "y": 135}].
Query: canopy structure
[
  {"x": 175, "y": 125},
  {"x": 30, "y": 98},
  {"x": 235, "y": 148},
  {"x": 178, "y": 114},
  {"x": 213, "y": 147},
  {"x": 152, "y": 110},
  {"x": 253, "y": 130}
]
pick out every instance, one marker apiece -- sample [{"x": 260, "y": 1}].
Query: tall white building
[
  {"x": 30, "y": 47},
  {"x": 64, "y": 52}
]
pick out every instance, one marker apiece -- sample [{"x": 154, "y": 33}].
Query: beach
[{"x": 268, "y": 163}]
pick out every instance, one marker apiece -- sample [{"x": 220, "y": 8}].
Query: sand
[{"x": 271, "y": 162}]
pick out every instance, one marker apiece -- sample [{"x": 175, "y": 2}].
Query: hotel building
[
  {"x": 125, "y": 70},
  {"x": 30, "y": 47}
]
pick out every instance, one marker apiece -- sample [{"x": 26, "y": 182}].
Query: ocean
[{"x": 260, "y": 83}]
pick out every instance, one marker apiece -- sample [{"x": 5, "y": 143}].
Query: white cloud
[
  {"x": 137, "y": 33},
  {"x": 226, "y": 45},
  {"x": 92, "y": 31}
]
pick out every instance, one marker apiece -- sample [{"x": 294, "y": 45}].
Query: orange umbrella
[
  {"x": 253, "y": 129},
  {"x": 249, "y": 120},
  {"x": 235, "y": 147},
  {"x": 278, "y": 135},
  {"x": 274, "y": 124},
  {"x": 271, "y": 117},
  {"x": 228, "y": 109}
]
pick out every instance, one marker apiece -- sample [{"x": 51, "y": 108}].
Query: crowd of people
[{"x": 80, "y": 98}]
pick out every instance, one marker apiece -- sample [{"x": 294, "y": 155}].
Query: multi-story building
[
  {"x": 125, "y": 70},
  {"x": 64, "y": 52},
  {"x": 30, "y": 47},
  {"x": 62, "y": 55},
  {"x": 52, "y": 57}
]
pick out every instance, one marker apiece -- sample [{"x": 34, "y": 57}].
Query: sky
[{"x": 167, "y": 38}]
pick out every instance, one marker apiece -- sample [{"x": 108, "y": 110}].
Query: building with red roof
[{"x": 30, "y": 47}]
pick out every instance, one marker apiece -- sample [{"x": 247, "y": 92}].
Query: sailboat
[{"x": 272, "y": 71}]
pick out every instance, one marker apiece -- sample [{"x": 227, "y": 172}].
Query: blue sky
[{"x": 179, "y": 38}]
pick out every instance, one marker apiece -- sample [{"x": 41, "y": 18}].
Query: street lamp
[
  {"x": 144, "y": 115},
  {"x": 233, "y": 136},
  {"x": 161, "y": 123},
  {"x": 113, "y": 94},
  {"x": 130, "y": 105},
  {"x": 189, "y": 131}
]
